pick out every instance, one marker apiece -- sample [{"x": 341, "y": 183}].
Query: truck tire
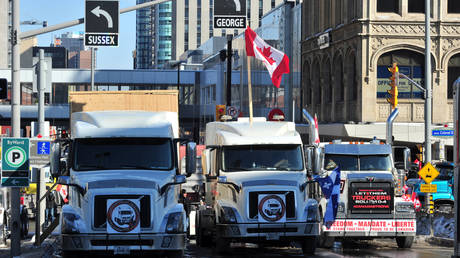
[
  {"x": 405, "y": 242},
  {"x": 202, "y": 239},
  {"x": 326, "y": 241},
  {"x": 309, "y": 246}
]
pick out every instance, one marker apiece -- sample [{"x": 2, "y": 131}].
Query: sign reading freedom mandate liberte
[
  {"x": 230, "y": 14},
  {"x": 102, "y": 23}
]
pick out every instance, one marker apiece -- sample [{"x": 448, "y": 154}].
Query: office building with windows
[{"x": 347, "y": 47}]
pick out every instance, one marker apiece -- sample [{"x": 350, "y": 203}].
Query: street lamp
[{"x": 178, "y": 65}]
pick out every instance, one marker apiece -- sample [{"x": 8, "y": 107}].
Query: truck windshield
[
  {"x": 360, "y": 163},
  {"x": 122, "y": 153},
  {"x": 262, "y": 157}
]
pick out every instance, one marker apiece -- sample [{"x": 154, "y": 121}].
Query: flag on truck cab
[
  {"x": 330, "y": 186},
  {"x": 274, "y": 60}
]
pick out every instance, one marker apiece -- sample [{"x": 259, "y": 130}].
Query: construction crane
[{"x": 35, "y": 22}]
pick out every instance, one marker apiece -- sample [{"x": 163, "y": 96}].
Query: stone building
[{"x": 348, "y": 44}]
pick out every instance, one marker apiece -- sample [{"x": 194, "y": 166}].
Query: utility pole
[
  {"x": 229, "y": 70},
  {"x": 428, "y": 92},
  {"x": 15, "y": 124},
  {"x": 92, "y": 69}
]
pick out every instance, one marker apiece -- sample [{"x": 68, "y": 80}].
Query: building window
[
  {"x": 410, "y": 63},
  {"x": 453, "y": 72},
  {"x": 416, "y": 6},
  {"x": 453, "y": 6},
  {"x": 388, "y": 6},
  {"x": 273, "y": 4}
]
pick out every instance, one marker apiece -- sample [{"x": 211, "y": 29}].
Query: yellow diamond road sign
[{"x": 428, "y": 173}]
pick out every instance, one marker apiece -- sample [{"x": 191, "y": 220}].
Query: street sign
[
  {"x": 428, "y": 188},
  {"x": 102, "y": 23},
  {"x": 442, "y": 132},
  {"x": 230, "y": 14},
  {"x": 233, "y": 112},
  {"x": 428, "y": 173},
  {"x": 39, "y": 152},
  {"x": 15, "y": 162}
]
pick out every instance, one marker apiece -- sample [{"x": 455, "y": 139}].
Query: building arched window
[
  {"x": 453, "y": 72},
  {"x": 410, "y": 63}
]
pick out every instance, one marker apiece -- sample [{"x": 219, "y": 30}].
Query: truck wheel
[
  {"x": 175, "y": 254},
  {"x": 405, "y": 242},
  {"x": 309, "y": 245}
]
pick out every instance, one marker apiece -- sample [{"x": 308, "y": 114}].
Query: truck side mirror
[
  {"x": 318, "y": 160},
  {"x": 190, "y": 162},
  {"x": 206, "y": 161},
  {"x": 55, "y": 160},
  {"x": 309, "y": 155},
  {"x": 407, "y": 160}
]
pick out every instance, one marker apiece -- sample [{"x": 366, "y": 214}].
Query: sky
[{"x": 59, "y": 11}]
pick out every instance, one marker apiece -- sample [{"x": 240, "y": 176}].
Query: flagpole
[{"x": 249, "y": 90}]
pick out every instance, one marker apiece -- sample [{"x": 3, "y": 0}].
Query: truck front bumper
[
  {"x": 370, "y": 228},
  {"x": 256, "y": 232},
  {"x": 143, "y": 242}
]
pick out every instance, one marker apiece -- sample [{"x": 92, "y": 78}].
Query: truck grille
[
  {"x": 100, "y": 209},
  {"x": 254, "y": 203},
  {"x": 371, "y": 198}
]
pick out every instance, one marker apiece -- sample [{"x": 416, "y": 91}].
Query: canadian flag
[
  {"x": 274, "y": 60},
  {"x": 317, "y": 141}
]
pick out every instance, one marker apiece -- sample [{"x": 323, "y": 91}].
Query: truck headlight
[
  {"x": 175, "y": 223},
  {"x": 228, "y": 215},
  {"x": 405, "y": 207},
  {"x": 71, "y": 223}
]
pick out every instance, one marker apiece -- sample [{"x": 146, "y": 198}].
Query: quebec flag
[{"x": 330, "y": 185}]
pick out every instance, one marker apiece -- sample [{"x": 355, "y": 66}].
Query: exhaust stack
[
  {"x": 311, "y": 122},
  {"x": 390, "y": 121}
]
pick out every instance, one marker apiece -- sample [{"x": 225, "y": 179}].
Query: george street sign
[
  {"x": 39, "y": 152},
  {"x": 230, "y": 14},
  {"x": 15, "y": 162},
  {"x": 102, "y": 23},
  {"x": 428, "y": 173}
]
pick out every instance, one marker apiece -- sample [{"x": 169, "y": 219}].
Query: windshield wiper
[
  {"x": 135, "y": 166},
  {"x": 237, "y": 169}
]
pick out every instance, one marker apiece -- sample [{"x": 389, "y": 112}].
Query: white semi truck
[
  {"x": 371, "y": 188},
  {"x": 258, "y": 187},
  {"x": 122, "y": 169}
]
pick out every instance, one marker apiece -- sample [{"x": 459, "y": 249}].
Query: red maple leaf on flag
[{"x": 266, "y": 53}]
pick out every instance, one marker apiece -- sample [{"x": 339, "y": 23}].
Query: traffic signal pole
[
  {"x": 428, "y": 92},
  {"x": 229, "y": 70}
]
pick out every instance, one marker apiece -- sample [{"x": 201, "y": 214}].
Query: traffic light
[
  {"x": 394, "y": 82},
  {"x": 3, "y": 88},
  {"x": 220, "y": 111}
]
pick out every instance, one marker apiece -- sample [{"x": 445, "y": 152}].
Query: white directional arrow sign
[
  {"x": 102, "y": 23},
  {"x": 98, "y": 11}
]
